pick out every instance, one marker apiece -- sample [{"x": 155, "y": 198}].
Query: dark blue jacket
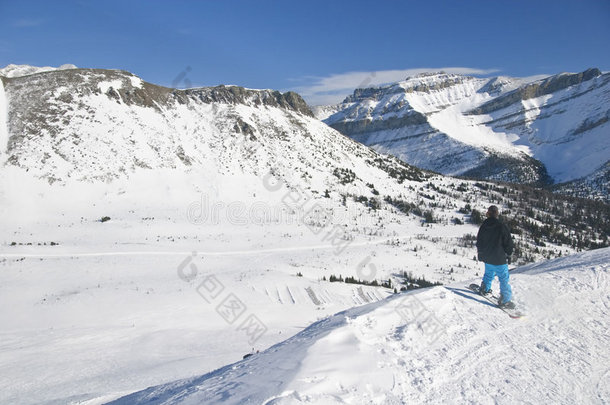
[{"x": 494, "y": 243}]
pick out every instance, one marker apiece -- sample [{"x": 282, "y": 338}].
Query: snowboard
[{"x": 513, "y": 313}]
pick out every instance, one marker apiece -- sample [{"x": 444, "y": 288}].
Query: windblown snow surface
[{"x": 436, "y": 345}]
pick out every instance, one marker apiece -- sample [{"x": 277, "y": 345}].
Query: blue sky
[{"x": 323, "y": 49}]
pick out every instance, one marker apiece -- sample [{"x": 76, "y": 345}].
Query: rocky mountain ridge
[
  {"x": 106, "y": 122},
  {"x": 538, "y": 132},
  {"x": 537, "y": 89}
]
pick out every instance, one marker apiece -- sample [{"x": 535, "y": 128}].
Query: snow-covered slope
[
  {"x": 438, "y": 345},
  {"x": 89, "y": 124},
  {"x": 3, "y": 123},
  {"x": 540, "y": 131},
  {"x": 595, "y": 185},
  {"x": 112, "y": 183}
]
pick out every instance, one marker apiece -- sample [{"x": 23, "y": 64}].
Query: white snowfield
[{"x": 436, "y": 345}]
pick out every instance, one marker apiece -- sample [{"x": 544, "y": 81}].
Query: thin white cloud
[
  {"x": 534, "y": 78},
  {"x": 334, "y": 88}
]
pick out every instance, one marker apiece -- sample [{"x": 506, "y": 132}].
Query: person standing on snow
[{"x": 494, "y": 247}]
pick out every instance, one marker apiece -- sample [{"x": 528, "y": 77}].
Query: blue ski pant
[{"x": 491, "y": 270}]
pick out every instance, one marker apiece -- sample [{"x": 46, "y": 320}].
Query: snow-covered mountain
[
  {"x": 439, "y": 345},
  {"x": 538, "y": 131},
  {"x": 149, "y": 234},
  {"x": 100, "y": 130},
  {"x": 26, "y": 70},
  {"x": 101, "y": 124}
]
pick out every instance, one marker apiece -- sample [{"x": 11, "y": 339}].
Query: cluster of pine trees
[
  {"x": 410, "y": 282},
  {"x": 548, "y": 217},
  {"x": 353, "y": 280}
]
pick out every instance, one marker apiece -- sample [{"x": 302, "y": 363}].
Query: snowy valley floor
[
  {"x": 92, "y": 311},
  {"x": 437, "y": 345},
  {"x": 92, "y": 329}
]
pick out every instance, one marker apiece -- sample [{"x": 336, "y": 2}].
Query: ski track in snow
[{"x": 200, "y": 253}]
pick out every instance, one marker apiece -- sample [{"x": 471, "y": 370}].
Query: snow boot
[
  {"x": 483, "y": 290},
  {"x": 507, "y": 305}
]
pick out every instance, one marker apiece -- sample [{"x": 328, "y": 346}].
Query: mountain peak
[
  {"x": 432, "y": 81},
  {"x": 421, "y": 83},
  {"x": 536, "y": 89},
  {"x": 26, "y": 70},
  {"x": 240, "y": 95},
  {"x": 427, "y": 74}
]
